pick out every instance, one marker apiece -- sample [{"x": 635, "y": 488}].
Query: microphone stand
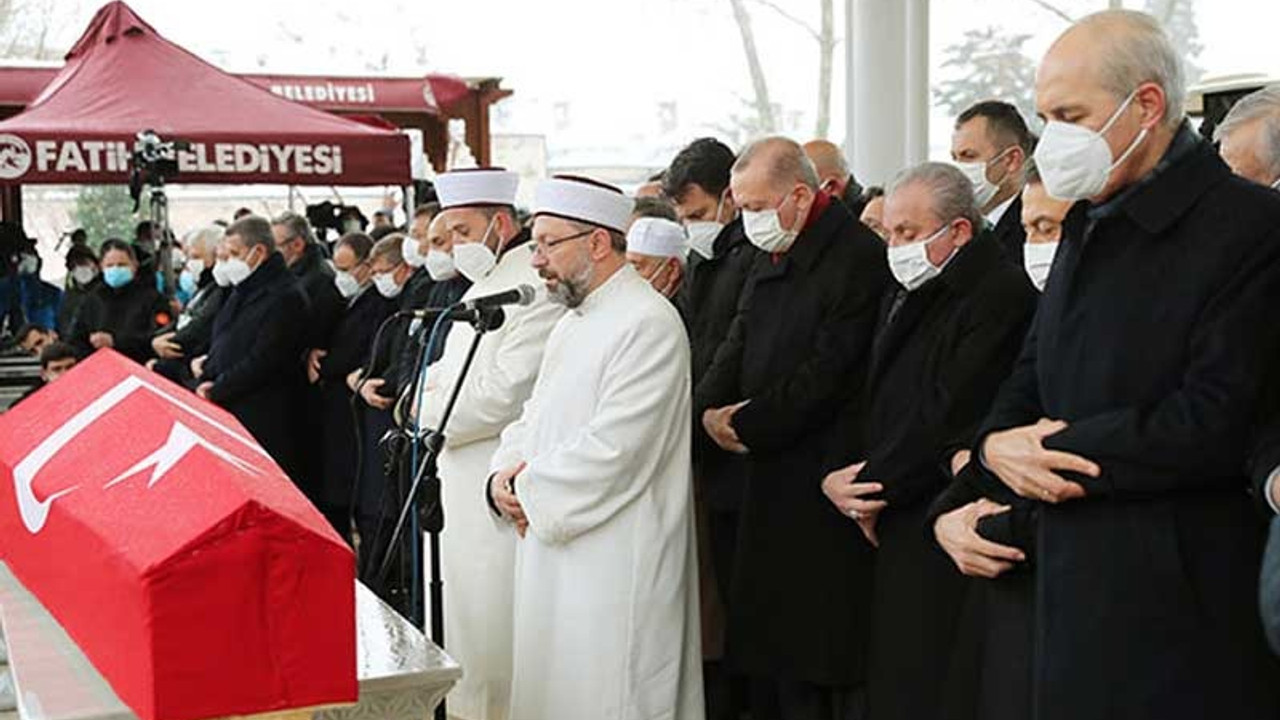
[{"x": 428, "y": 509}]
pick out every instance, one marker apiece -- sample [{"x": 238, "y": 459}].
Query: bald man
[
  {"x": 834, "y": 175},
  {"x": 791, "y": 364},
  {"x": 1128, "y": 417}
]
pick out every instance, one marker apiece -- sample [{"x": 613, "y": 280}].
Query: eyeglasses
[{"x": 543, "y": 247}]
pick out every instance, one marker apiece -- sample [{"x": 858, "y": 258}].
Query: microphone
[{"x": 519, "y": 295}]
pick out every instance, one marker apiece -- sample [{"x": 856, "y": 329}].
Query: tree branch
[
  {"x": 1054, "y": 9},
  {"x": 788, "y": 16}
]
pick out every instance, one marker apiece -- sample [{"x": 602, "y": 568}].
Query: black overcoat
[
  {"x": 797, "y": 350},
  {"x": 1152, "y": 340}
]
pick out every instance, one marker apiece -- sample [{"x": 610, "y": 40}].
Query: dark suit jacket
[
  {"x": 708, "y": 302},
  {"x": 1152, "y": 341},
  {"x": 797, "y": 350},
  {"x": 1009, "y": 233},
  {"x": 936, "y": 366},
  {"x": 255, "y": 356}
]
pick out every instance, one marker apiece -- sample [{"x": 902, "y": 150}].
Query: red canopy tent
[{"x": 122, "y": 77}]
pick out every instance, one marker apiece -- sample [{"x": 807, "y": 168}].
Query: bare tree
[{"x": 760, "y": 84}]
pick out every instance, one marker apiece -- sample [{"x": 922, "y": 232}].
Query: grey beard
[{"x": 571, "y": 292}]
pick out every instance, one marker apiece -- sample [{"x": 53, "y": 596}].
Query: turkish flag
[{"x": 172, "y": 549}]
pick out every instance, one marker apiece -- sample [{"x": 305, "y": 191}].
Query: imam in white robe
[
  {"x": 606, "y": 600},
  {"x": 477, "y": 553}
]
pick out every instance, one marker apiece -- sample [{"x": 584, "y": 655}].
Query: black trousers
[{"x": 774, "y": 699}]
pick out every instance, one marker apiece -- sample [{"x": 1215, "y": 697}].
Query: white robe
[
  {"x": 477, "y": 553},
  {"x": 606, "y": 593}
]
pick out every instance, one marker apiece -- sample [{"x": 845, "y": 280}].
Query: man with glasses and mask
[
  {"x": 948, "y": 334},
  {"x": 991, "y": 145},
  {"x": 495, "y": 253},
  {"x": 1249, "y": 137},
  {"x": 794, "y": 362},
  {"x": 257, "y": 342},
  {"x": 594, "y": 479},
  {"x": 1129, "y": 414}
]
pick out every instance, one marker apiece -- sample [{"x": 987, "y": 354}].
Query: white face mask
[
  {"x": 474, "y": 259},
  {"x": 196, "y": 266},
  {"x": 346, "y": 283},
  {"x": 764, "y": 229},
  {"x": 1075, "y": 162},
  {"x": 440, "y": 266},
  {"x": 84, "y": 274},
  {"x": 28, "y": 265},
  {"x": 220, "y": 274},
  {"x": 910, "y": 263},
  {"x": 702, "y": 236},
  {"x": 1037, "y": 259},
  {"x": 386, "y": 284},
  {"x": 409, "y": 251},
  {"x": 983, "y": 189},
  {"x": 179, "y": 258},
  {"x": 235, "y": 270}
]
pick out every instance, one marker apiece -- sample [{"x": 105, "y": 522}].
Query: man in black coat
[
  {"x": 379, "y": 382},
  {"x": 720, "y": 260},
  {"x": 257, "y": 342},
  {"x": 1129, "y": 413},
  {"x": 993, "y": 146},
  {"x": 793, "y": 362},
  {"x": 948, "y": 334},
  {"x": 346, "y": 351},
  {"x": 122, "y": 313}
]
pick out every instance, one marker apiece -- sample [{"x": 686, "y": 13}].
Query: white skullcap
[
  {"x": 584, "y": 200},
  {"x": 482, "y": 186},
  {"x": 658, "y": 237}
]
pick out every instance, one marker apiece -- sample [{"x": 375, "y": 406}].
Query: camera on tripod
[{"x": 155, "y": 161}]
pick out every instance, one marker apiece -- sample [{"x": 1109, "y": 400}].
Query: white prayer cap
[
  {"x": 658, "y": 237},
  {"x": 583, "y": 200},
  {"x": 479, "y": 186}
]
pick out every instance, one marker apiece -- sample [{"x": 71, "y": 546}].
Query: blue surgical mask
[
  {"x": 187, "y": 282},
  {"x": 117, "y": 276}
]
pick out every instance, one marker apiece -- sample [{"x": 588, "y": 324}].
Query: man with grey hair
[
  {"x": 793, "y": 363},
  {"x": 1249, "y": 137},
  {"x": 1129, "y": 413},
  {"x": 257, "y": 342},
  {"x": 947, "y": 336}
]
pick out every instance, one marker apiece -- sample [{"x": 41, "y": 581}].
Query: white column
[
  {"x": 887, "y": 98},
  {"x": 916, "y": 89}
]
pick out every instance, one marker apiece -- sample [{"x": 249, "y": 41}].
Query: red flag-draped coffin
[{"x": 172, "y": 549}]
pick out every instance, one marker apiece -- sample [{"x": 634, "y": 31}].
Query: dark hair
[
  {"x": 143, "y": 228},
  {"x": 117, "y": 244},
  {"x": 242, "y": 212},
  {"x": 1004, "y": 124},
  {"x": 55, "y": 351},
  {"x": 79, "y": 236},
  {"x": 380, "y": 232},
  {"x": 253, "y": 230},
  {"x": 871, "y": 192},
  {"x": 655, "y": 207},
  {"x": 296, "y": 225},
  {"x": 359, "y": 243},
  {"x": 27, "y": 329},
  {"x": 79, "y": 255},
  {"x": 429, "y": 209},
  {"x": 705, "y": 162}
]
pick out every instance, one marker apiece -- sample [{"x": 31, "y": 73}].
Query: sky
[{"x": 610, "y": 82}]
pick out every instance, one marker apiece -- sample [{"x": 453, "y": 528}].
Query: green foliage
[{"x": 104, "y": 211}]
